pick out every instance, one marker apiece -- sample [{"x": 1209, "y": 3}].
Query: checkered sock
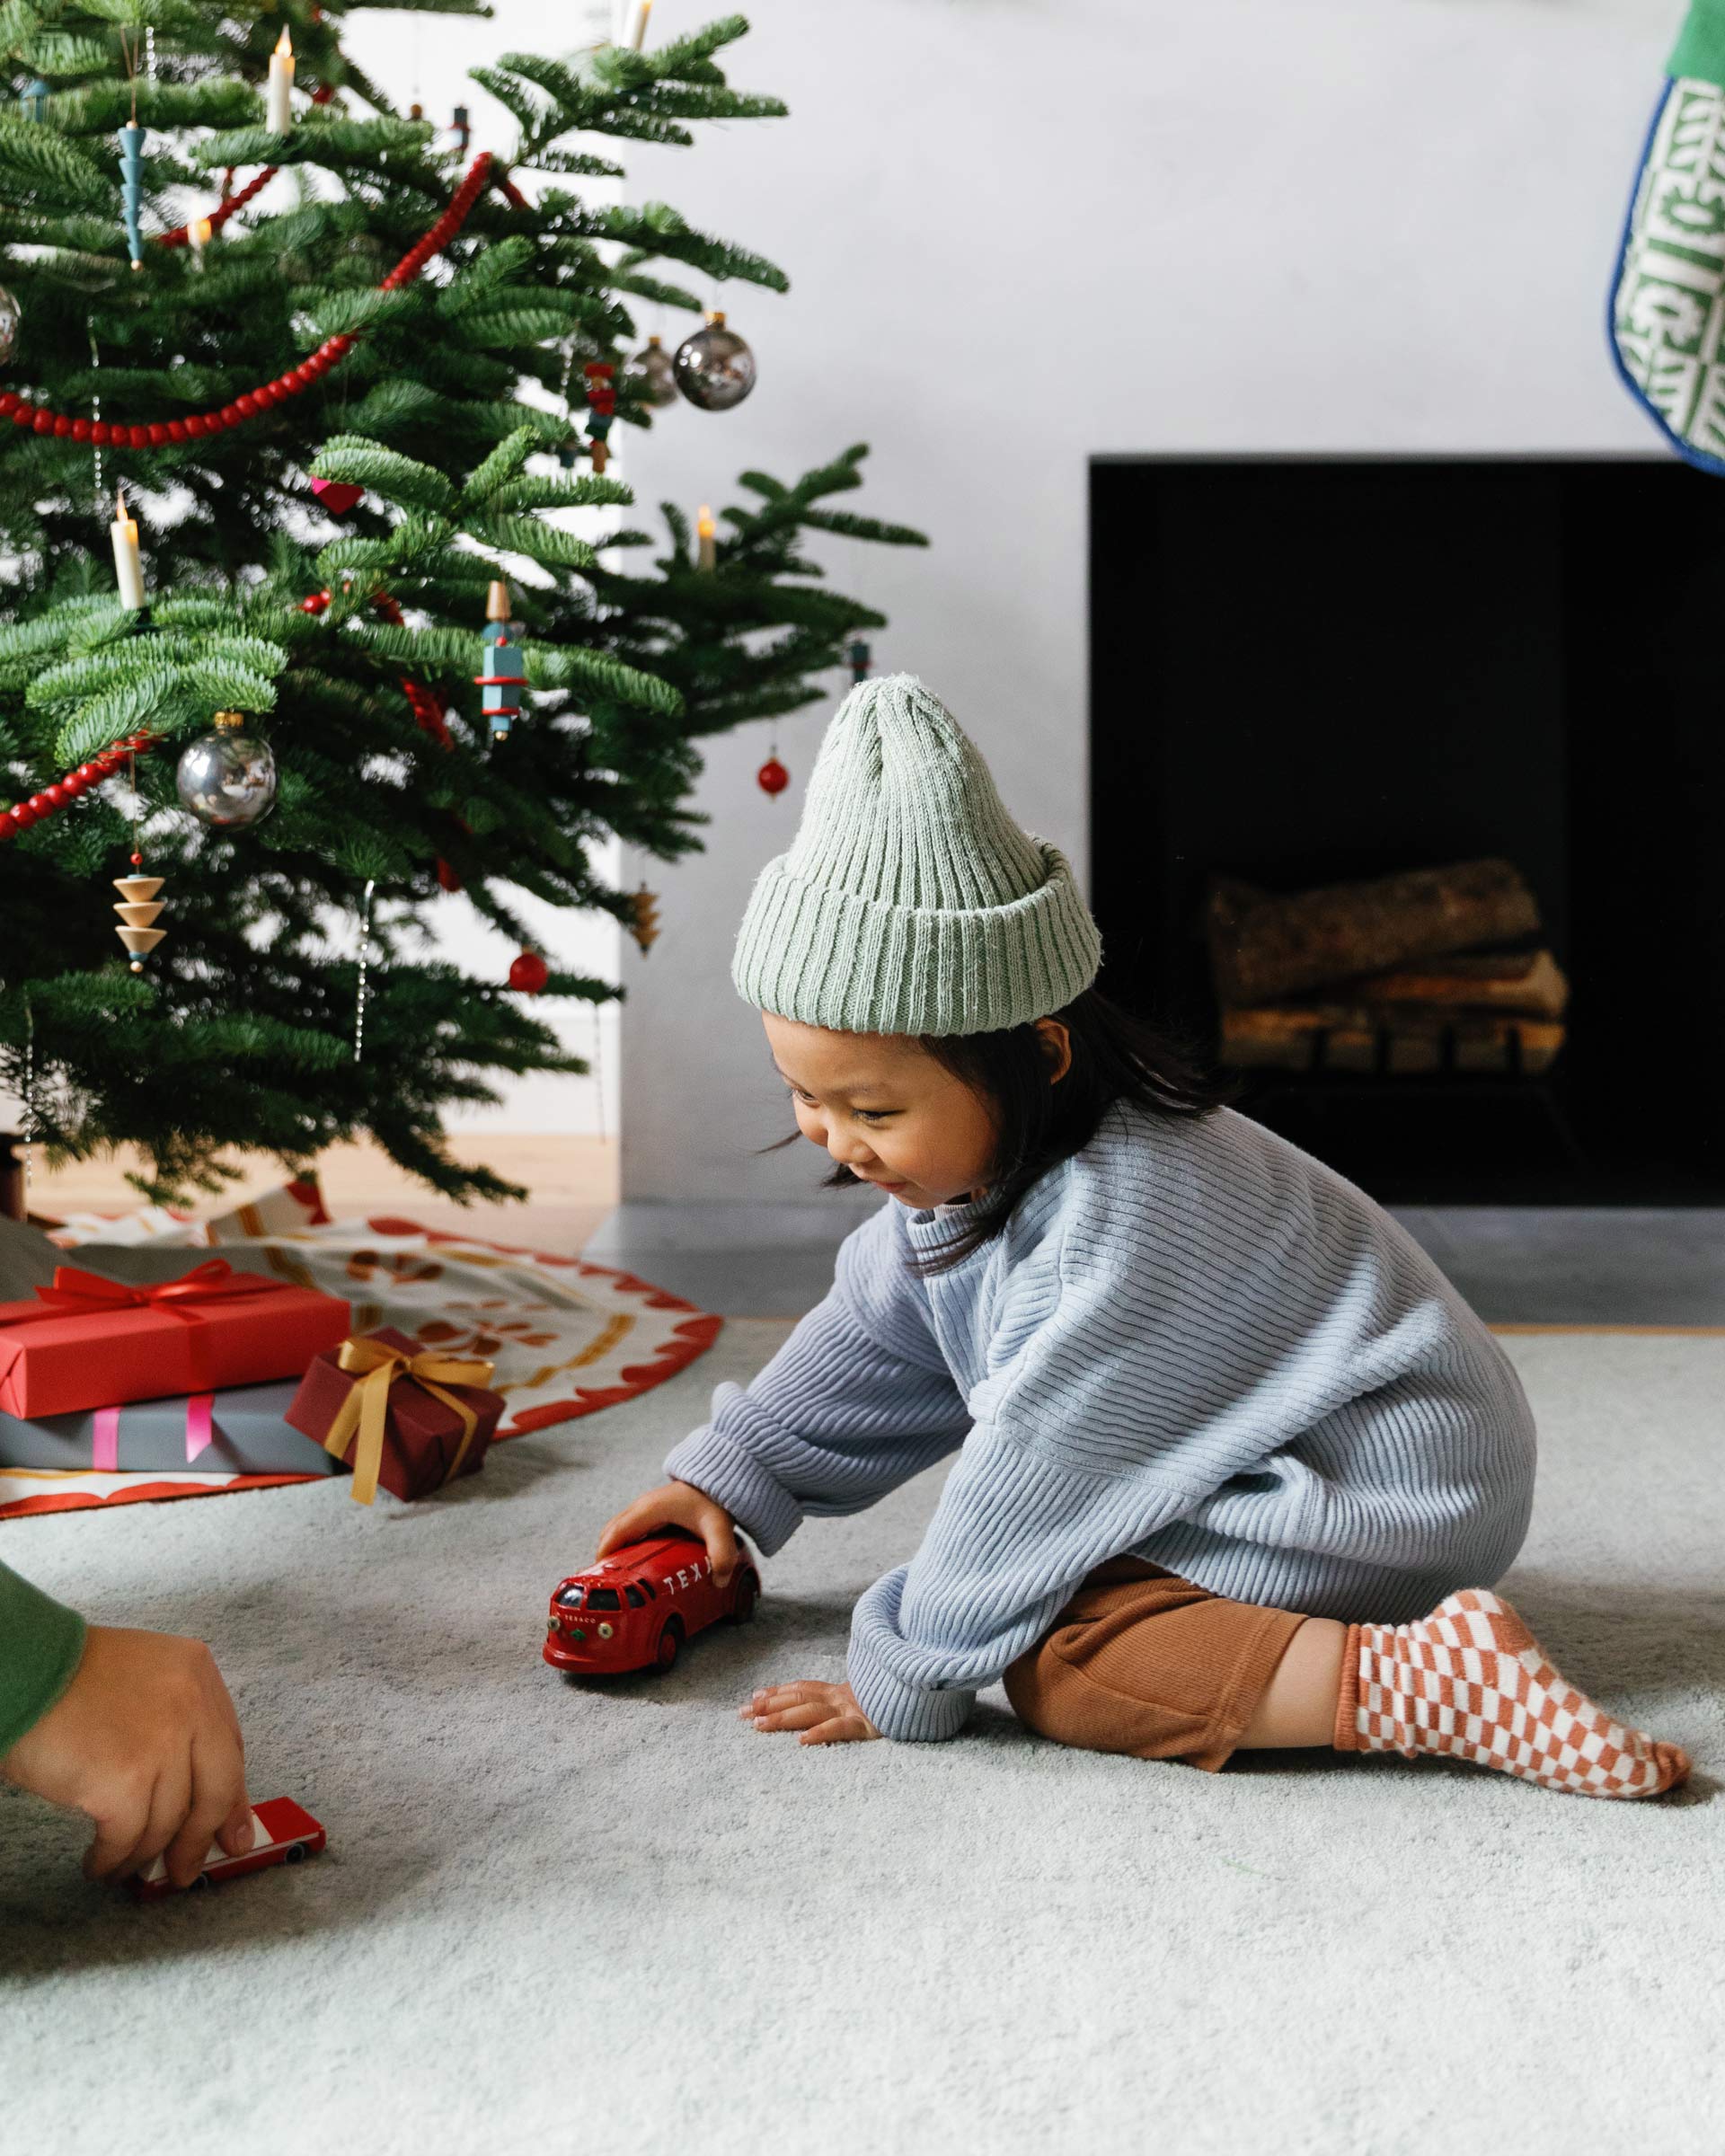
[{"x": 1472, "y": 1682}]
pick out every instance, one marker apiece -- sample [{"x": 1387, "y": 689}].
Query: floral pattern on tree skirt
[{"x": 568, "y": 1338}]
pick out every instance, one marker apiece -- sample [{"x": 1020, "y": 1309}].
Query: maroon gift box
[
  {"x": 87, "y": 1342},
  {"x": 422, "y": 1435}
]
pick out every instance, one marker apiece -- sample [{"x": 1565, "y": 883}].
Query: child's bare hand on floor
[{"x": 826, "y": 1714}]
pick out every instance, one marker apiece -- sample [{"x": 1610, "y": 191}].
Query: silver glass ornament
[
  {"x": 10, "y": 317},
  {"x": 651, "y": 374},
  {"x": 227, "y": 777},
  {"x": 715, "y": 369}
]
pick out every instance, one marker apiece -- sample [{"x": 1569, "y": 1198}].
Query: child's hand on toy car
[
  {"x": 145, "y": 1742},
  {"x": 676, "y": 1504},
  {"x": 826, "y": 1714}
]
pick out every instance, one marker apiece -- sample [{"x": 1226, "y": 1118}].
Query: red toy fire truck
[
  {"x": 282, "y": 1833},
  {"x": 634, "y": 1609}
]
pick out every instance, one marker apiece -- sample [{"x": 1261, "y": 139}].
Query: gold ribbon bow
[{"x": 377, "y": 1366}]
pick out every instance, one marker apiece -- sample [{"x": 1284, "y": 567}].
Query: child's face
[{"x": 884, "y": 1108}]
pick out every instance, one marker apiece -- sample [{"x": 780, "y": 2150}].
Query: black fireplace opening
[{"x": 1315, "y": 672}]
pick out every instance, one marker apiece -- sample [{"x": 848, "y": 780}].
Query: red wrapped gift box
[
  {"x": 87, "y": 1342},
  {"x": 407, "y": 1417}
]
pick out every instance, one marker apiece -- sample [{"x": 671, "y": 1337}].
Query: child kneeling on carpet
[{"x": 1236, "y": 1464}]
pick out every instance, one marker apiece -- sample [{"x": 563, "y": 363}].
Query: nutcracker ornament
[
  {"x": 602, "y": 405},
  {"x": 505, "y": 676},
  {"x": 463, "y": 125},
  {"x": 715, "y": 368},
  {"x": 859, "y": 657}
]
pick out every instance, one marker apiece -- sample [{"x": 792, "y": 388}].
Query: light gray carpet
[{"x": 561, "y": 1920}]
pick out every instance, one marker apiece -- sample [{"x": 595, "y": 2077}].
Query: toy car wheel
[
  {"x": 297, "y": 1854},
  {"x": 202, "y": 1884},
  {"x": 742, "y": 1608},
  {"x": 671, "y": 1642}
]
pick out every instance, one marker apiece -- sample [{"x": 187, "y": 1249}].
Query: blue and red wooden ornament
[{"x": 505, "y": 676}]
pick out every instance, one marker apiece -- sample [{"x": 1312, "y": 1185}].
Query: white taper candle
[
  {"x": 279, "y": 119},
  {"x": 128, "y": 567}
]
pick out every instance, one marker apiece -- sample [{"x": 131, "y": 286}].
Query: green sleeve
[
  {"x": 41, "y": 1642},
  {"x": 1699, "y": 53}
]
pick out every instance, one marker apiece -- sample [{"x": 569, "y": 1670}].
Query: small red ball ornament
[
  {"x": 530, "y": 973},
  {"x": 772, "y": 777}
]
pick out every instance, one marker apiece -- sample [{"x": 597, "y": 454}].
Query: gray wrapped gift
[{"x": 242, "y": 1431}]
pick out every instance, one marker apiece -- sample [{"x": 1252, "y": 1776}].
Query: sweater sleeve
[
  {"x": 41, "y": 1642},
  {"x": 857, "y": 1400}
]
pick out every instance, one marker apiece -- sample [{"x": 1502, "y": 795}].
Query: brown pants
[{"x": 1142, "y": 1661}]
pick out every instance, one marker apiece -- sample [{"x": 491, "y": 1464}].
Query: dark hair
[{"x": 1116, "y": 1055}]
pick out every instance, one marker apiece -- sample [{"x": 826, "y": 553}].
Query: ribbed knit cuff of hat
[{"x": 909, "y": 901}]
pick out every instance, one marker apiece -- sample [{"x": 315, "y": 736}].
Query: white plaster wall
[{"x": 1021, "y": 232}]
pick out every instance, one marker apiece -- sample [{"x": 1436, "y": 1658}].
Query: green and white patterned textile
[{"x": 1668, "y": 304}]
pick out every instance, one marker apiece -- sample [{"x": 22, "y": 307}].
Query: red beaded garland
[
  {"x": 23, "y": 814},
  {"x": 23, "y": 413}
]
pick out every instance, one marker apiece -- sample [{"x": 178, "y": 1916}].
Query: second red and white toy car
[
  {"x": 282, "y": 1833},
  {"x": 636, "y": 1608}
]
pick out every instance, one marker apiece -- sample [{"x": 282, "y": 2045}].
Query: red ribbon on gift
[{"x": 84, "y": 1294}]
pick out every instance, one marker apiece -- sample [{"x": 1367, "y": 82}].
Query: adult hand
[
  {"x": 826, "y": 1714},
  {"x": 677, "y": 1504},
  {"x": 144, "y": 1741}
]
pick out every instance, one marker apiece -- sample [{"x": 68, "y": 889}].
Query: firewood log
[{"x": 1263, "y": 945}]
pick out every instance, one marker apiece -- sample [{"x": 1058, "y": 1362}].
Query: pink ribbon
[
  {"x": 104, "y": 1446},
  {"x": 104, "y": 1439}
]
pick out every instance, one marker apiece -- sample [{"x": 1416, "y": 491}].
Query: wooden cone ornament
[
  {"x": 138, "y": 910},
  {"x": 504, "y": 677},
  {"x": 644, "y": 927}
]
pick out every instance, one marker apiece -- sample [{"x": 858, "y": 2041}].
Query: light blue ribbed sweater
[{"x": 1192, "y": 1343}]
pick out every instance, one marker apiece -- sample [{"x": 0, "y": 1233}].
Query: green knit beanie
[{"x": 910, "y": 902}]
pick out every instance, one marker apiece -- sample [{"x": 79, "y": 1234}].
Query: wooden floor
[{"x": 573, "y": 1182}]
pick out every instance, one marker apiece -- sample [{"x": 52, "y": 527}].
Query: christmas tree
[{"x": 297, "y": 389}]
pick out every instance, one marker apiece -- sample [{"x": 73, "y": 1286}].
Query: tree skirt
[{"x": 568, "y": 1338}]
